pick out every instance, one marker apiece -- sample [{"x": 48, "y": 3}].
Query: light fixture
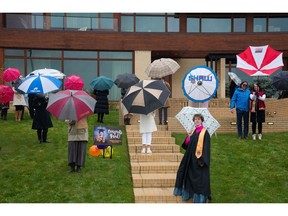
[{"x": 270, "y": 123}]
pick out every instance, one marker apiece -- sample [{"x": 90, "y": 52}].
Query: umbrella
[
  {"x": 74, "y": 82},
  {"x": 280, "y": 81},
  {"x": 200, "y": 84},
  {"x": 39, "y": 84},
  {"x": 126, "y": 80},
  {"x": 48, "y": 71},
  {"x": 259, "y": 60},
  {"x": 101, "y": 83},
  {"x": 71, "y": 104},
  {"x": 185, "y": 117},
  {"x": 6, "y": 93},
  {"x": 235, "y": 78},
  {"x": 11, "y": 74},
  {"x": 162, "y": 67},
  {"x": 146, "y": 96}
]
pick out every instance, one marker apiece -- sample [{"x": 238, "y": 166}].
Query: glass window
[
  {"x": 216, "y": 25},
  {"x": 259, "y": 25},
  {"x": 37, "y": 21},
  {"x": 80, "y": 54},
  {"x": 15, "y": 63},
  {"x": 74, "y": 21},
  {"x": 57, "y": 20},
  {"x": 278, "y": 24},
  {"x": 13, "y": 52},
  {"x": 193, "y": 24},
  {"x": 116, "y": 55},
  {"x": 239, "y": 24},
  {"x": 173, "y": 24},
  {"x": 127, "y": 24},
  {"x": 106, "y": 21},
  {"x": 150, "y": 24},
  {"x": 34, "y": 64},
  {"x": 86, "y": 69},
  {"x": 44, "y": 53},
  {"x": 111, "y": 69}
]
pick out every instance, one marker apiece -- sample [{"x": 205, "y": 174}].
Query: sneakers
[
  {"x": 149, "y": 151},
  {"x": 254, "y": 136},
  {"x": 259, "y": 136},
  {"x": 143, "y": 151}
]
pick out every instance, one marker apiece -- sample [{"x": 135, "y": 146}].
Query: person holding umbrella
[
  {"x": 102, "y": 103},
  {"x": 257, "y": 110},
  {"x": 127, "y": 116},
  {"x": 164, "y": 109}
]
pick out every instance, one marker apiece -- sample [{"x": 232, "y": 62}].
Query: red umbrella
[
  {"x": 6, "y": 93},
  {"x": 74, "y": 82},
  {"x": 11, "y": 74},
  {"x": 259, "y": 60}
]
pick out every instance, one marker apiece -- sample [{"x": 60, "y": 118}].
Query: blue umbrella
[
  {"x": 101, "y": 83},
  {"x": 39, "y": 84}
]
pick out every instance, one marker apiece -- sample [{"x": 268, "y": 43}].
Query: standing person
[
  {"x": 30, "y": 105},
  {"x": 4, "y": 110},
  {"x": 19, "y": 103},
  {"x": 147, "y": 126},
  {"x": 127, "y": 116},
  {"x": 164, "y": 109},
  {"x": 102, "y": 104},
  {"x": 232, "y": 87},
  {"x": 77, "y": 142},
  {"x": 193, "y": 175},
  {"x": 240, "y": 99},
  {"x": 257, "y": 110},
  {"x": 41, "y": 121}
]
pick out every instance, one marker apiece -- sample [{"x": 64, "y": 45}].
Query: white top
[
  {"x": 18, "y": 99},
  {"x": 147, "y": 123}
]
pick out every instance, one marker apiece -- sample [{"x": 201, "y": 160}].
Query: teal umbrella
[{"x": 102, "y": 83}]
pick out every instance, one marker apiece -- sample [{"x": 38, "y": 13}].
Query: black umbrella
[
  {"x": 146, "y": 96},
  {"x": 126, "y": 80},
  {"x": 280, "y": 81}
]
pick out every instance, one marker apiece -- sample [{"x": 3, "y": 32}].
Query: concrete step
[
  {"x": 136, "y": 128},
  {"x": 157, "y": 195},
  {"x": 154, "y": 134},
  {"x": 155, "y": 140},
  {"x": 156, "y": 148},
  {"x": 156, "y": 157},
  {"x": 154, "y": 167},
  {"x": 154, "y": 180}
]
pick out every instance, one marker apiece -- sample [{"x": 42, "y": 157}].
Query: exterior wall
[
  {"x": 185, "y": 65},
  {"x": 221, "y": 77},
  {"x": 142, "y": 60}
]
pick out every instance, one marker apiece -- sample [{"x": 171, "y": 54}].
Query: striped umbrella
[
  {"x": 162, "y": 67},
  {"x": 146, "y": 96}
]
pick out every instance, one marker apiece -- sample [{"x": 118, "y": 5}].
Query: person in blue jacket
[{"x": 241, "y": 99}]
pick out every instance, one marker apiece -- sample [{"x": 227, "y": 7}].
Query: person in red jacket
[{"x": 257, "y": 110}]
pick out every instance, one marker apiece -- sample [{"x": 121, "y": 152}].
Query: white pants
[{"x": 146, "y": 138}]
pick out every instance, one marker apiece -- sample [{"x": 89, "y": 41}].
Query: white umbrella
[
  {"x": 185, "y": 117},
  {"x": 200, "y": 84},
  {"x": 48, "y": 71},
  {"x": 162, "y": 67}
]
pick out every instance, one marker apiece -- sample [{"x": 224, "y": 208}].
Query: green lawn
[{"x": 244, "y": 171}]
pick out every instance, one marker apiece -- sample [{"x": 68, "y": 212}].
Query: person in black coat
[
  {"x": 193, "y": 175},
  {"x": 102, "y": 104},
  {"x": 41, "y": 121}
]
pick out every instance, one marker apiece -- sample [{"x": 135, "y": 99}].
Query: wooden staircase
[{"x": 154, "y": 175}]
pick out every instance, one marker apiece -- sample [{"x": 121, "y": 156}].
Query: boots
[
  {"x": 254, "y": 136},
  {"x": 72, "y": 168},
  {"x": 78, "y": 169}
]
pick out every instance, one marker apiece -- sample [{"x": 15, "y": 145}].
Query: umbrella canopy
[
  {"x": 146, "y": 96},
  {"x": 126, "y": 80},
  {"x": 101, "y": 83},
  {"x": 185, "y": 117},
  {"x": 200, "y": 84},
  {"x": 39, "y": 84},
  {"x": 74, "y": 82},
  {"x": 162, "y": 67},
  {"x": 259, "y": 60},
  {"x": 71, "y": 105},
  {"x": 48, "y": 71},
  {"x": 235, "y": 78},
  {"x": 6, "y": 93},
  {"x": 280, "y": 81},
  {"x": 11, "y": 74}
]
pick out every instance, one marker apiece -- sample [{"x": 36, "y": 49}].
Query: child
[
  {"x": 4, "y": 110},
  {"x": 193, "y": 176}
]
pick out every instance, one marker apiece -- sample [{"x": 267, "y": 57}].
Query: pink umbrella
[
  {"x": 11, "y": 74},
  {"x": 6, "y": 93},
  {"x": 259, "y": 60},
  {"x": 74, "y": 82},
  {"x": 71, "y": 105}
]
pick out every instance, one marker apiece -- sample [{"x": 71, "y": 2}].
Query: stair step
[
  {"x": 154, "y": 167},
  {"x": 157, "y": 195},
  {"x": 156, "y": 148},
  {"x": 154, "y": 134},
  {"x": 136, "y": 128},
  {"x": 156, "y": 157},
  {"x": 158, "y": 140},
  {"x": 154, "y": 180}
]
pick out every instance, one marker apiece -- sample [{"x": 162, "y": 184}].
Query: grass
[{"x": 242, "y": 171}]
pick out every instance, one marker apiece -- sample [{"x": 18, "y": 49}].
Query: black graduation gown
[
  {"x": 193, "y": 175},
  {"x": 41, "y": 118},
  {"x": 102, "y": 102}
]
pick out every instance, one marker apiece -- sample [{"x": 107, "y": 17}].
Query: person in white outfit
[{"x": 147, "y": 126}]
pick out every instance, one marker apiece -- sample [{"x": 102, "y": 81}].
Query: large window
[
  {"x": 270, "y": 24},
  {"x": 86, "y": 64}
]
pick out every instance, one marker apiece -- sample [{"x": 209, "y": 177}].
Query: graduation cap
[{"x": 101, "y": 130}]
